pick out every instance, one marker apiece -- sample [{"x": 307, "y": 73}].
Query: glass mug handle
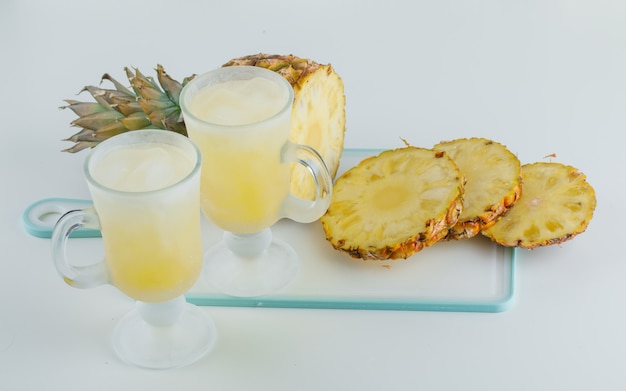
[
  {"x": 298, "y": 209},
  {"x": 89, "y": 276}
]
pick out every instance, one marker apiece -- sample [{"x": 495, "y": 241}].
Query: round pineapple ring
[
  {"x": 393, "y": 205},
  {"x": 493, "y": 182},
  {"x": 557, "y": 204}
]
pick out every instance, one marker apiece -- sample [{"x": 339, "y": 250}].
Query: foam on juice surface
[
  {"x": 135, "y": 168},
  {"x": 238, "y": 102}
]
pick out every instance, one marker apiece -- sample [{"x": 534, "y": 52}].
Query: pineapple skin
[
  {"x": 466, "y": 229},
  {"x": 360, "y": 225},
  {"x": 557, "y": 204}
]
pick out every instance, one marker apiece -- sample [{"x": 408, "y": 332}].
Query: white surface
[{"x": 541, "y": 77}]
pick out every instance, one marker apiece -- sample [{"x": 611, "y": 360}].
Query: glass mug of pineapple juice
[
  {"x": 145, "y": 190},
  {"x": 240, "y": 118}
]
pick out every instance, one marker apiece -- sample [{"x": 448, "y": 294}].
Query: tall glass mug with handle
[
  {"x": 145, "y": 187},
  {"x": 240, "y": 118}
]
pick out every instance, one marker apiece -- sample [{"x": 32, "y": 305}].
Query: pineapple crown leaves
[{"x": 146, "y": 104}]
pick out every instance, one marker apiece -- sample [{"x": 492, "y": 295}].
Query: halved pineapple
[
  {"x": 493, "y": 182},
  {"x": 318, "y": 118},
  {"x": 394, "y": 204},
  {"x": 557, "y": 204}
]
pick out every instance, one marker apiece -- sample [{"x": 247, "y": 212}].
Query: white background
[{"x": 541, "y": 77}]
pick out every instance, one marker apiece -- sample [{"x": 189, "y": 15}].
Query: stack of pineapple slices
[{"x": 395, "y": 204}]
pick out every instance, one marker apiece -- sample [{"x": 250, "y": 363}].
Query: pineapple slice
[
  {"x": 493, "y": 182},
  {"x": 557, "y": 204},
  {"x": 395, "y": 204},
  {"x": 318, "y": 118}
]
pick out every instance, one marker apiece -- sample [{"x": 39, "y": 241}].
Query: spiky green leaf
[{"x": 96, "y": 121}]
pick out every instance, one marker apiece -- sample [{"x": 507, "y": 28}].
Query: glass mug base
[
  {"x": 250, "y": 265},
  {"x": 164, "y": 335}
]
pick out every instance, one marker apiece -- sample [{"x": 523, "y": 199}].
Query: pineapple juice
[
  {"x": 243, "y": 127},
  {"x": 150, "y": 229}
]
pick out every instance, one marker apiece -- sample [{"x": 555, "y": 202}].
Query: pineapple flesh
[
  {"x": 393, "y": 205},
  {"x": 493, "y": 182},
  {"x": 557, "y": 204}
]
